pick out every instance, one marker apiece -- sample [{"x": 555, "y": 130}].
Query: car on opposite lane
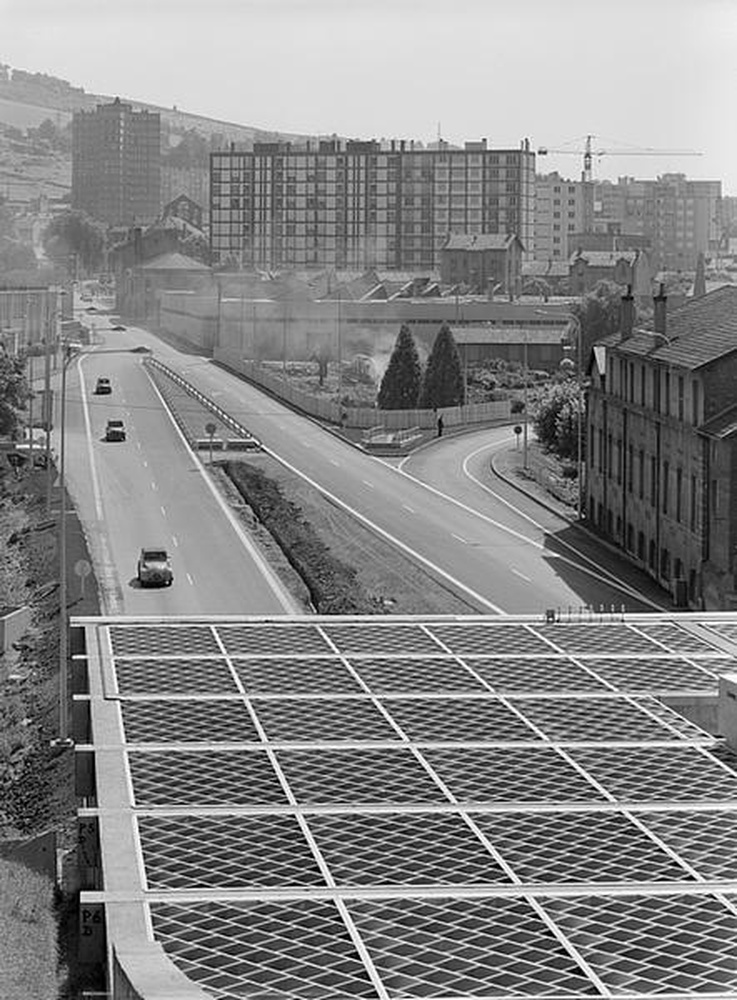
[{"x": 103, "y": 387}]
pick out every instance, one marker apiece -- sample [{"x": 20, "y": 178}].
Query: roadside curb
[{"x": 559, "y": 509}]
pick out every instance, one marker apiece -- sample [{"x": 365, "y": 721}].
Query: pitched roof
[
  {"x": 174, "y": 262},
  {"x": 545, "y": 269},
  {"x": 510, "y": 334},
  {"x": 478, "y": 241},
  {"x": 604, "y": 258},
  {"x": 701, "y": 331}
]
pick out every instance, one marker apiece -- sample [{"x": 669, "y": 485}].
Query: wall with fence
[{"x": 360, "y": 417}]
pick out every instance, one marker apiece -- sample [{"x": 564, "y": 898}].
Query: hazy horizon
[{"x": 642, "y": 75}]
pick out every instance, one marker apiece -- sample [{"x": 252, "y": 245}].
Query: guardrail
[{"x": 244, "y": 441}]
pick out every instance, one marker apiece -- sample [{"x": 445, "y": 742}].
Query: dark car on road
[
  {"x": 154, "y": 568},
  {"x": 103, "y": 387}
]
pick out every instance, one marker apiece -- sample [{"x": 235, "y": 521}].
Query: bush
[{"x": 517, "y": 406}]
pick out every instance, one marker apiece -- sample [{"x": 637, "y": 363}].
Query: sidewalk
[{"x": 507, "y": 464}]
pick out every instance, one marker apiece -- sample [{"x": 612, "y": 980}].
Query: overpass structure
[{"x": 393, "y": 807}]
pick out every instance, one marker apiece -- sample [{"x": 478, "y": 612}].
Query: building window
[
  {"x": 619, "y": 460},
  {"x": 680, "y": 397},
  {"x": 656, "y": 390},
  {"x": 679, "y": 491},
  {"x": 666, "y": 393},
  {"x": 666, "y": 479},
  {"x": 692, "y": 505},
  {"x": 653, "y": 481},
  {"x": 601, "y": 450},
  {"x": 694, "y": 402},
  {"x": 630, "y": 463},
  {"x": 641, "y": 472},
  {"x": 609, "y": 455},
  {"x": 642, "y": 386}
]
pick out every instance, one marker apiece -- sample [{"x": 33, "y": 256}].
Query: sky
[{"x": 635, "y": 74}]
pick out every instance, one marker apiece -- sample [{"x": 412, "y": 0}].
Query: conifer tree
[
  {"x": 443, "y": 383},
  {"x": 400, "y": 385}
]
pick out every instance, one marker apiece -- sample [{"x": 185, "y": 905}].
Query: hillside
[{"x": 28, "y": 99}]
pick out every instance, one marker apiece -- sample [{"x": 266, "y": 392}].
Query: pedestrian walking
[{"x": 440, "y": 425}]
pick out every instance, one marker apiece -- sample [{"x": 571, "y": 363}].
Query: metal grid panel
[
  {"x": 180, "y": 676},
  {"x": 187, "y": 722},
  {"x": 381, "y": 639},
  {"x": 676, "y": 638},
  {"x": 706, "y": 840},
  {"x": 594, "y": 719},
  {"x": 297, "y": 676},
  {"x": 457, "y": 720},
  {"x": 510, "y": 774},
  {"x": 465, "y": 947},
  {"x": 577, "y": 847},
  {"x": 403, "y": 849},
  {"x": 204, "y": 777},
  {"x": 546, "y": 673},
  {"x": 680, "y": 723},
  {"x": 319, "y": 720},
  {"x": 655, "y": 674},
  {"x": 416, "y": 675},
  {"x": 228, "y": 852},
  {"x": 726, "y": 630},
  {"x": 274, "y": 639},
  {"x": 678, "y": 773},
  {"x": 365, "y": 776},
  {"x": 163, "y": 640},
  {"x": 490, "y": 640},
  {"x": 677, "y": 945},
  {"x": 598, "y": 638},
  {"x": 269, "y": 950}
]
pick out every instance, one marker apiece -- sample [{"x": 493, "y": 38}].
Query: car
[
  {"x": 103, "y": 387},
  {"x": 115, "y": 430},
  {"x": 118, "y": 327},
  {"x": 91, "y": 309},
  {"x": 154, "y": 568}
]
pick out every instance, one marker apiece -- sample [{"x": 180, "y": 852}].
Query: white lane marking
[
  {"x": 145, "y": 464},
  {"x": 367, "y": 483},
  {"x": 190, "y": 579},
  {"x": 138, "y": 445},
  {"x": 458, "y": 538},
  {"x": 174, "y": 539},
  {"x": 383, "y": 533},
  {"x": 334, "y": 462},
  {"x": 407, "y": 507},
  {"x": 598, "y": 573},
  {"x": 88, "y": 428},
  {"x": 285, "y": 599},
  {"x": 163, "y": 511},
  {"x": 153, "y": 485},
  {"x": 521, "y": 575}
]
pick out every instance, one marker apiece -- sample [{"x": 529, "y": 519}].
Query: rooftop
[{"x": 413, "y": 807}]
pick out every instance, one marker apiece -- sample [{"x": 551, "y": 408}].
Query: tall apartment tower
[
  {"x": 366, "y": 204},
  {"x": 561, "y": 211},
  {"x": 680, "y": 217},
  {"x": 116, "y": 164}
]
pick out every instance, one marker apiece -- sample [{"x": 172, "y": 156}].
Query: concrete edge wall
[{"x": 14, "y": 623}]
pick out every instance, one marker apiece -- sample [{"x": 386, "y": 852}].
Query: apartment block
[
  {"x": 661, "y": 449},
  {"x": 116, "y": 164},
  {"x": 680, "y": 217},
  {"x": 356, "y": 205},
  {"x": 560, "y": 213}
]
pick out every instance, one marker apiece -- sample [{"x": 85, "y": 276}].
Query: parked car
[
  {"x": 154, "y": 568},
  {"x": 115, "y": 430},
  {"x": 103, "y": 387},
  {"x": 118, "y": 327}
]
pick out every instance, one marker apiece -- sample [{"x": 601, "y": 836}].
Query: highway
[{"x": 500, "y": 551}]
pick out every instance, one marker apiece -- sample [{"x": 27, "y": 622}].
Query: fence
[{"x": 362, "y": 418}]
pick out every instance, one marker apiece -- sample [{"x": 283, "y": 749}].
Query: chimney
[
  {"x": 627, "y": 316},
  {"x": 659, "y": 310}
]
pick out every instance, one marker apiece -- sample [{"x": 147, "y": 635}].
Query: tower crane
[{"x": 589, "y": 152}]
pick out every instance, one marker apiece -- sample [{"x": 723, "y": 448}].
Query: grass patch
[{"x": 28, "y": 948}]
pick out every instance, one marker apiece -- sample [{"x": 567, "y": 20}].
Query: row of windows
[
  {"x": 658, "y": 389},
  {"x": 646, "y": 549},
  {"x": 638, "y": 471}
]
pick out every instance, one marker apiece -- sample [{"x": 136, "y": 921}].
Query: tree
[
  {"x": 74, "y": 232},
  {"x": 556, "y": 418},
  {"x": 400, "y": 386},
  {"x": 13, "y": 392},
  {"x": 443, "y": 383},
  {"x": 599, "y": 313}
]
